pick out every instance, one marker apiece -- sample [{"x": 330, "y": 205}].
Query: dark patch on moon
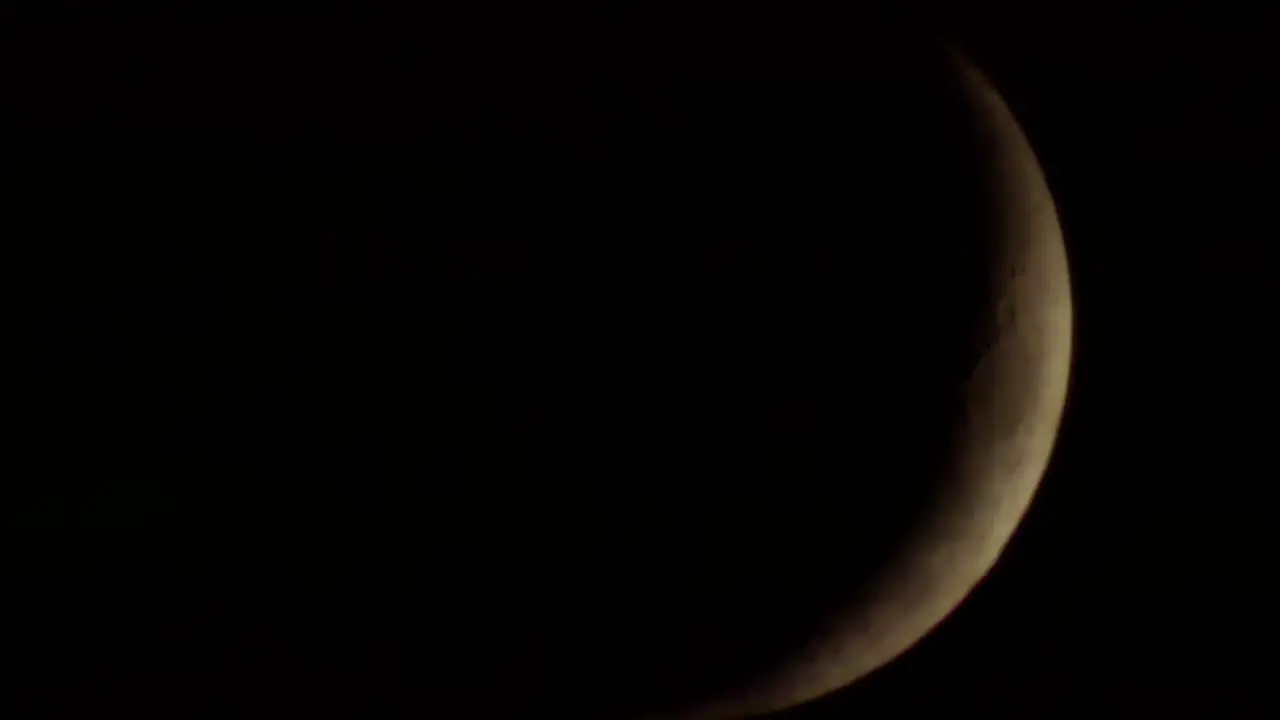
[
  {"x": 712, "y": 403},
  {"x": 590, "y": 421}
]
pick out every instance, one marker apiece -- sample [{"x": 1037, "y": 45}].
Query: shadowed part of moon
[
  {"x": 1010, "y": 407},
  {"x": 574, "y": 426}
]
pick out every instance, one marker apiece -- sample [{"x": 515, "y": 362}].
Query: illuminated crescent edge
[{"x": 1013, "y": 404}]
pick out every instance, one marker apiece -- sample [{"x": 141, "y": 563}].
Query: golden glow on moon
[{"x": 1013, "y": 402}]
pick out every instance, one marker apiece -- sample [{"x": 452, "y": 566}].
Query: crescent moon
[{"x": 1012, "y": 403}]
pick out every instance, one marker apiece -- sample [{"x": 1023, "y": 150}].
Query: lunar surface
[
  {"x": 675, "y": 379},
  {"x": 1002, "y": 441}
]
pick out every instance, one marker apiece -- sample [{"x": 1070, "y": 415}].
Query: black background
[{"x": 286, "y": 145}]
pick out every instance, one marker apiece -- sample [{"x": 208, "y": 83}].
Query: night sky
[{"x": 270, "y": 270}]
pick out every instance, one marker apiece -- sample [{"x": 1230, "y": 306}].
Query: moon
[{"x": 1011, "y": 406}]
